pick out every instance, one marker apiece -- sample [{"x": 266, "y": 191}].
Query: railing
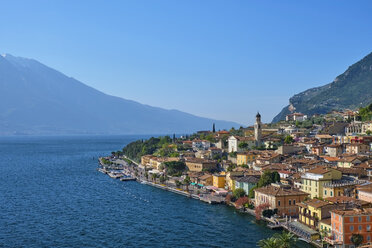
[
  {"x": 343, "y": 183},
  {"x": 332, "y": 241}
]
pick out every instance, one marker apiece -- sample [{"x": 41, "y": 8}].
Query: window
[
  {"x": 290, "y": 202},
  {"x": 360, "y": 228},
  {"x": 278, "y": 203},
  {"x": 331, "y": 193},
  {"x": 367, "y": 218},
  {"x": 368, "y": 228},
  {"x": 368, "y": 238},
  {"x": 360, "y": 219},
  {"x": 325, "y": 192},
  {"x": 351, "y": 228},
  {"x": 294, "y": 202},
  {"x": 351, "y": 219}
]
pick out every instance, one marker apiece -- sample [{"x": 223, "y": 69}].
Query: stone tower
[{"x": 258, "y": 129}]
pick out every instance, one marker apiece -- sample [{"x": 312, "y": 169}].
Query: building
[
  {"x": 206, "y": 180},
  {"x": 246, "y": 157},
  {"x": 258, "y": 130},
  {"x": 345, "y": 223},
  {"x": 356, "y": 148},
  {"x": 364, "y": 192},
  {"x": 234, "y": 141},
  {"x": 199, "y": 164},
  {"x": 280, "y": 197},
  {"x": 348, "y": 162},
  {"x": 201, "y": 144},
  {"x": 296, "y": 117},
  {"x": 354, "y": 128},
  {"x": 312, "y": 211},
  {"x": 314, "y": 179},
  {"x": 334, "y": 150},
  {"x": 219, "y": 180},
  {"x": 246, "y": 183},
  {"x": 340, "y": 188}
]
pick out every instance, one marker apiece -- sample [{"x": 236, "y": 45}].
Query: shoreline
[{"x": 276, "y": 225}]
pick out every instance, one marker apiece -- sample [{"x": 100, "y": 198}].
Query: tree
[
  {"x": 243, "y": 145},
  {"x": 267, "y": 213},
  {"x": 275, "y": 177},
  {"x": 368, "y": 132},
  {"x": 187, "y": 182},
  {"x": 175, "y": 167},
  {"x": 239, "y": 192},
  {"x": 288, "y": 139},
  {"x": 269, "y": 243},
  {"x": 356, "y": 239},
  {"x": 286, "y": 239},
  {"x": 267, "y": 178},
  {"x": 251, "y": 192},
  {"x": 214, "y": 128}
]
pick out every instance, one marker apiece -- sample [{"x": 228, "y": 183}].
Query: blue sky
[{"x": 218, "y": 59}]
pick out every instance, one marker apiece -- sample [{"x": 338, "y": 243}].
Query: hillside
[
  {"x": 36, "y": 99},
  {"x": 352, "y": 89}
]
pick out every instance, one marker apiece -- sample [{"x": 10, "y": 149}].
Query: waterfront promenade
[{"x": 134, "y": 170}]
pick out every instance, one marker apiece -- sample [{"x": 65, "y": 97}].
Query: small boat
[{"x": 127, "y": 179}]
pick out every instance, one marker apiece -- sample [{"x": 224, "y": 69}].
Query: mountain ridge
[
  {"x": 351, "y": 89},
  {"x": 37, "y": 99}
]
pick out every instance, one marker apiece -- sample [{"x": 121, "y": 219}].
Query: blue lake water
[{"x": 51, "y": 195}]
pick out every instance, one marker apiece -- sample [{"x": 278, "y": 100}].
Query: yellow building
[
  {"x": 312, "y": 211},
  {"x": 339, "y": 188},
  {"x": 230, "y": 178},
  {"x": 325, "y": 226},
  {"x": 314, "y": 179},
  {"x": 245, "y": 158},
  {"x": 219, "y": 180}
]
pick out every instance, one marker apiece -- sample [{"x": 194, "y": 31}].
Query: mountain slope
[
  {"x": 35, "y": 99},
  {"x": 352, "y": 89}
]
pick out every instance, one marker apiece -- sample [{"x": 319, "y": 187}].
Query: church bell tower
[{"x": 257, "y": 129}]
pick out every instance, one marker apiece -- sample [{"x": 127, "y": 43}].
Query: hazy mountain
[
  {"x": 35, "y": 99},
  {"x": 352, "y": 89}
]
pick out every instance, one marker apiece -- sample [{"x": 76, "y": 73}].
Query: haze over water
[{"x": 51, "y": 195}]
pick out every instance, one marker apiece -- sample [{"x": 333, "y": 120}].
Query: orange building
[
  {"x": 280, "y": 197},
  {"x": 345, "y": 223}
]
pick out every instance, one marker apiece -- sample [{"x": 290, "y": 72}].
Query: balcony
[{"x": 332, "y": 241}]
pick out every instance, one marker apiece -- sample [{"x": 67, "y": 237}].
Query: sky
[{"x": 220, "y": 59}]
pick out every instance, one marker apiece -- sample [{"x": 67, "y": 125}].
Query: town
[{"x": 307, "y": 174}]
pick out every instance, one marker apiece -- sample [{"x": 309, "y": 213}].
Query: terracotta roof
[
  {"x": 344, "y": 199},
  {"x": 353, "y": 212},
  {"x": 326, "y": 221},
  {"x": 316, "y": 203},
  {"x": 319, "y": 170},
  {"x": 279, "y": 191},
  {"x": 247, "y": 179}
]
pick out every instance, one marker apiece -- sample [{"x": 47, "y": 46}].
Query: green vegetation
[
  {"x": 238, "y": 193},
  {"x": 106, "y": 161},
  {"x": 243, "y": 145},
  {"x": 268, "y": 212},
  {"x": 366, "y": 113},
  {"x": 288, "y": 139},
  {"x": 350, "y": 90},
  {"x": 267, "y": 178},
  {"x": 137, "y": 149},
  {"x": 356, "y": 239},
  {"x": 283, "y": 240},
  {"x": 175, "y": 168}
]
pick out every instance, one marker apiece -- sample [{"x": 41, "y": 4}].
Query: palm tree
[
  {"x": 269, "y": 243},
  {"x": 286, "y": 239}
]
